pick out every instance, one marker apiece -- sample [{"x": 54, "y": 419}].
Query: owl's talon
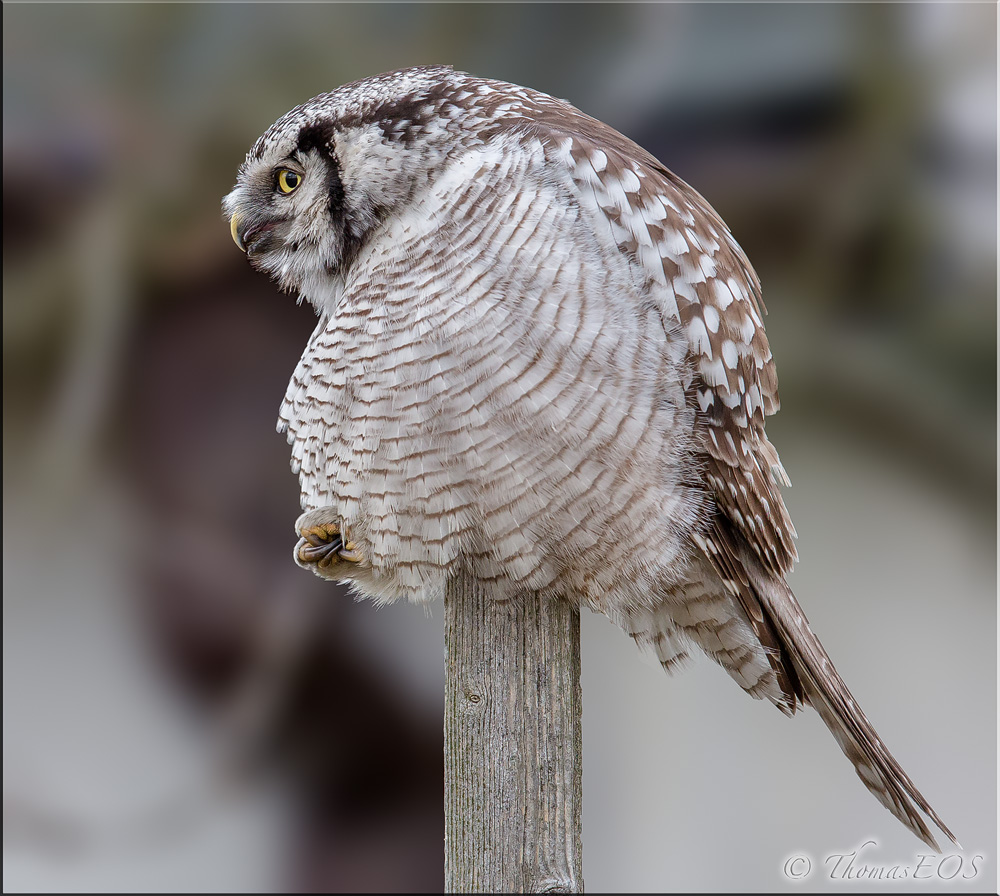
[
  {"x": 323, "y": 545},
  {"x": 309, "y": 553},
  {"x": 350, "y": 553},
  {"x": 320, "y": 544}
]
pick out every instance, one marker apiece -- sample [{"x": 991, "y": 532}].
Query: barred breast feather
[{"x": 494, "y": 388}]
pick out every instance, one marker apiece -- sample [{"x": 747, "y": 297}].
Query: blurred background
[{"x": 184, "y": 709}]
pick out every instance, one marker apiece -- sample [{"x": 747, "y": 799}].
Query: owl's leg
[{"x": 322, "y": 544}]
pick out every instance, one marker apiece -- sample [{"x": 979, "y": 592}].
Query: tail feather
[{"x": 825, "y": 690}]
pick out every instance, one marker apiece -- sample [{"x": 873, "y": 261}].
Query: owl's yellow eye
[{"x": 288, "y": 180}]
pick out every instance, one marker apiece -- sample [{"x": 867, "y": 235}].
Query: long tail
[{"x": 826, "y": 691}]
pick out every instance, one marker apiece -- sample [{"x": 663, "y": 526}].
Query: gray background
[{"x": 185, "y": 709}]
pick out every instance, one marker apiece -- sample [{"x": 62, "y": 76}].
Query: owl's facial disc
[
  {"x": 279, "y": 214},
  {"x": 257, "y": 236},
  {"x": 315, "y": 187}
]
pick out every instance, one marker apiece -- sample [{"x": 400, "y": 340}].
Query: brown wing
[{"x": 703, "y": 282}]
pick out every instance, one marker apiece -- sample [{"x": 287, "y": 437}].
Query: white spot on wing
[
  {"x": 674, "y": 245},
  {"x": 698, "y": 337},
  {"x": 729, "y": 354},
  {"x": 654, "y": 210},
  {"x": 723, "y": 295},
  {"x": 711, "y": 316},
  {"x": 630, "y": 181},
  {"x": 713, "y": 372}
]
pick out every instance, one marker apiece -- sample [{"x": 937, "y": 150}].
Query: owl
[{"x": 540, "y": 359}]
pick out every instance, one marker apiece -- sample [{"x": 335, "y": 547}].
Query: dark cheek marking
[
  {"x": 316, "y": 136},
  {"x": 320, "y": 138},
  {"x": 350, "y": 238},
  {"x": 335, "y": 190}
]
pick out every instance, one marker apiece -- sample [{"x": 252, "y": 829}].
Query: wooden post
[{"x": 513, "y": 744}]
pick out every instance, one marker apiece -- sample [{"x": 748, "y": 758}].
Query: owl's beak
[{"x": 234, "y": 229}]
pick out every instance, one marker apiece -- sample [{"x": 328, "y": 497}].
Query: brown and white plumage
[{"x": 540, "y": 356}]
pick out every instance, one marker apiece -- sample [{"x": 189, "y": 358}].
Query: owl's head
[{"x": 324, "y": 176}]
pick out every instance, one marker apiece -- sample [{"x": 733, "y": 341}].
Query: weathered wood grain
[{"x": 513, "y": 744}]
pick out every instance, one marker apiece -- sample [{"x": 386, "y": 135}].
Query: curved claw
[
  {"x": 324, "y": 546},
  {"x": 315, "y": 540},
  {"x": 350, "y": 553},
  {"x": 318, "y": 553}
]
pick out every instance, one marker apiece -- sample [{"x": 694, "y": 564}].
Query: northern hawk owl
[{"x": 541, "y": 358}]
